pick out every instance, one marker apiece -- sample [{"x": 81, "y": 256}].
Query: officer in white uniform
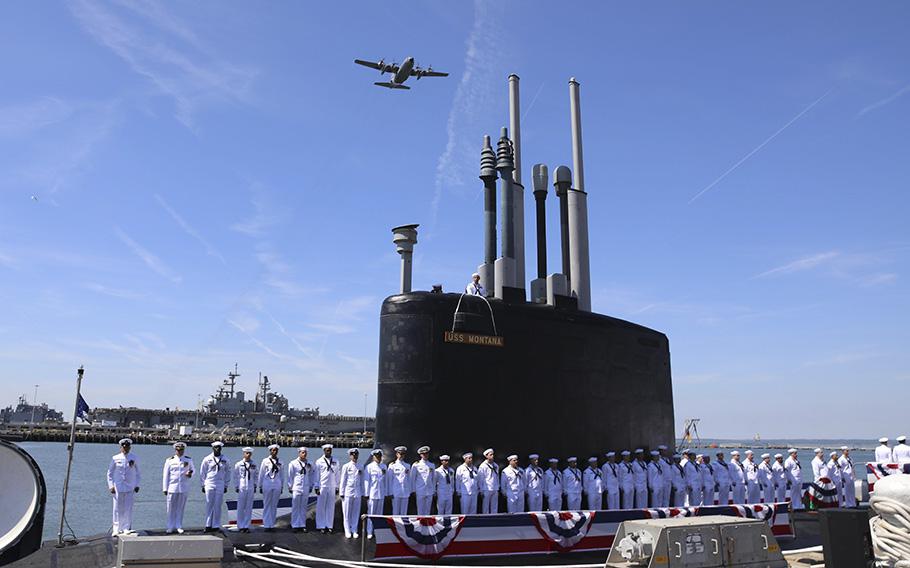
[
  {"x": 214, "y": 476},
  {"x": 245, "y": 477},
  {"x": 512, "y": 485},
  {"x": 474, "y": 288},
  {"x": 794, "y": 479},
  {"x": 572, "y": 485},
  {"x": 779, "y": 476},
  {"x": 666, "y": 464},
  {"x": 722, "y": 478},
  {"x": 627, "y": 480},
  {"x": 819, "y": 469},
  {"x": 466, "y": 485},
  {"x": 375, "y": 487},
  {"x": 123, "y": 479},
  {"x": 737, "y": 479},
  {"x": 534, "y": 483},
  {"x": 326, "y": 474},
  {"x": 693, "y": 478},
  {"x": 708, "y": 483},
  {"x": 766, "y": 479},
  {"x": 423, "y": 481},
  {"x": 350, "y": 489},
  {"x": 901, "y": 452},
  {"x": 488, "y": 479},
  {"x": 553, "y": 485},
  {"x": 883, "y": 453},
  {"x": 300, "y": 483},
  {"x": 680, "y": 487},
  {"x": 271, "y": 485},
  {"x": 175, "y": 481},
  {"x": 610, "y": 472},
  {"x": 445, "y": 485},
  {"x": 399, "y": 476},
  {"x": 753, "y": 486},
  {"x": 593, "y": 480},
  {"x": 848, "y": 474},
  {"x": 656, "y": 479},
  {"x": 836, "y": 476}
]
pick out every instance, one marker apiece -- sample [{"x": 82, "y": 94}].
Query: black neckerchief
[{"x": 328, "y": 462}]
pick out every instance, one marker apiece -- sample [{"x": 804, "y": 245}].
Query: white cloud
[
  {"x": 188, "y": 229},
  {"x": 883, "y": 102},
  {"x": 150, "y": 260},
  {"x": 801, "y": 264},
  {"x": 264, "y": 216},
  {"x": 859, "y": 268},
  {"x": 19, "y": 119},
  {"x": 114, "y": 292}
]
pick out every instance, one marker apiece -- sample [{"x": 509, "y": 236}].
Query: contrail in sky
[{"x": 760, "y": 146}]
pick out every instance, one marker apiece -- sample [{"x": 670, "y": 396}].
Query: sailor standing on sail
[
  {"x": 350, "y": 489},
  {"x": 679, "y": 482},
  {"x": 640, "y": 474},
  {"x": 737, "y": 479},
  {"x": 488, "y": 476},
  {"x": 766, "y": 478},
  {"x": 474, "y": 288},
  {"x": 512, "y": 484},
  {"x": 271, "y": 485},
  {"x": 534, "y": 484},
  {"x": 423, "y": 481},
  {"x": 466, "y": 485},
  {"x": 753, "y": 486},
  {"x": 610, "y": 472},
  {"x": 300, "y": 483},
  {"x": 627, "y": 480},
  {"x": 572, "y": 485},
  {"x": 779, "y": 473},
  {"x": 666, "y": 464},
  {"x": 553, "y": 485},
  {"x": 794, "y": 479},
  {"x": 399, "y": 482},
  {"x": 848, "y": 473},
  {"x": 175, "y": 480},
  {"x": 375, "y": 487},
  {"x": 656, "y": 479},
  {"x": 722, "y": 477},
  {"x": 123, "y": 479},
  {"x": 901, "y": 452},
  {"x": 214, "y": 475},
  {"x": 593, "y": 485},
  {"x": 326, "y": 473},
  {"x": 445, "y": 485},
  {"x": 245, "y": 478}
]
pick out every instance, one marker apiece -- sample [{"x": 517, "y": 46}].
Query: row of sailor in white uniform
[{"x": 899, "y": 454}]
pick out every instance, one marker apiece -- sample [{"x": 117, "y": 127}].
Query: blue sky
[{"x": 216, "y": 182}]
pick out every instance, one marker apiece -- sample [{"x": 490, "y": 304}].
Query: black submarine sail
[{"x": 462, "y": 373}]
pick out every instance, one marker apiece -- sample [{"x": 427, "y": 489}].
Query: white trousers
[
  {"x": 214, "y": 497},
  {"x": 176, "y": 503},
  {"x": 707, "y": 496},
  {"x": 244, "y": 508},
  {"x": 612, "y": 498},
  {"x": 350, "y": 510},
  {"x": 516, "y": 505},
  {"x": 123, "y": 511},
  {"x": 849, "y": 492},
  {"x": 739, "y": 494},
  {"x": 838, "y": 484},
  {"x": 400, "y": 505},
  {"x": 666, "y": 495},
  {"x": 573, "y": 501},
  {"x": 270, "y": 506},
  {"x": 753, "y": 493},
  {"x": 641, "y": 497},
  {"x": 657, "y": 497},
  {"x": 554, "y": 502},
  {"x": 723, "y": 494},
  {"x": 444, "y": 504},
  {"x": 299, "y": 502},
  {"x": 535, "y": 502},
  {"x": 325, "y": 509},
  {"x": 424, "y": 505},
  {"x": 489, "y": 502},
  {"x": 468, "y": 504},
  {"x": 796, "y": 496},
  {"x": 628, "y": 497},
  {"x": 595, "y": 501},
  {"x": 374, "y": 507},
  {"x": 693, "y": 496},
  {"x": 679, "y": 497}
]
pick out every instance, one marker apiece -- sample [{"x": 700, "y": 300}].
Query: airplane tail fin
[{"x": 392, "y": 86}]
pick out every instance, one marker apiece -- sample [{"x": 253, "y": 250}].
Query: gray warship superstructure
[{"x": 463, "y": 372}]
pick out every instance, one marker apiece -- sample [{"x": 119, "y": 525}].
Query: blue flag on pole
[{"x": 82, "y": 408}]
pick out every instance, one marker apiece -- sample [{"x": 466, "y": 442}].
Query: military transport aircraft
[{"x": 400, "y": 73}]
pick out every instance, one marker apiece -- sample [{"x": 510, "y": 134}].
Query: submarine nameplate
[{"x": 474, "y": 339}]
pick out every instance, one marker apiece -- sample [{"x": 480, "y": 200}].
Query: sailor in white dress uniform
[
  {"x": 901, "y": 452},
  {"x": 572, "y": 485},
  {"x": 722, "y": 478},
  {"x": 627, "y": 480},
  {"x": 737, "y": 479},
  {"x": 375, "y": 487},
  {"x": 693, "y": 478},
  {"x": 350, "y": 489},
  {"x": 779, "y": 474},
  {"x": 246, "y": 475},
  {"x": 834, "y": 472},
  {"x": 680, "y": 493},
  {"x": 488, "y": 479},
  {"x": 175, "y": 481},
  {"x": 534, "y": 483},
  {"x": 474, "y": 288},
  {"x": 553, "y": 485},
  {"x": 794, "y": 479},
  {"x": 214, "y": 476},
  {"x": 666, "y": 464},
  {"x": 271, "y": 485},
  {"x": 656, "y": 479},
  {"x": 753, "y": 487},
  {"x": 326, "y": 474},
  {"x": 300, "y": 483},
  {"x": 640, "y": 476},
  {"x": 593, "y": 480},
  {"x": 399, "y": 476},
  {"x": 512, "y": 484},
  {"x": 610, "y": 472},
  {"x": 466, "y": 485},
  {"x": 819, "y": 467},
  {"x": 423, "y": 481},
  {"x": 848, "y": 474},
  {"x": 766, "y": 479},
  {"x": 123, "y": 479},
  {"x": 883, "y": 453},
  {"x": 445, "y": 485}
]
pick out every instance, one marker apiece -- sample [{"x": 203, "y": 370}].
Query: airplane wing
[
  {"x": 379, "y": 66},
  {"x": 418, "y": 72}
]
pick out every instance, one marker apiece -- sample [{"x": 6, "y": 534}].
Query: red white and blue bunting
[
  {"x": 565, "y": 528},
  {"x": 878, "y": 470},
  {"x": 426, "y": 537}
]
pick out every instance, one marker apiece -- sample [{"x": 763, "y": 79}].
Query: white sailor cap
[
  {"x": 553, "y": 460},
  {"x": 750, "y": 453},
  {"x": 639, "y": 451},
  {"x": 475, "y": 275},
  {"x": 655, "y": 453},
  {"x": 592, "y": 459},
  {"x": 327, "y": 446},
  {"x": 179, "y": 446},
  {"x": 610, "y": 454},
  {"x": 571, "y": 459},
  {"x": 467, "y": 455},
  {"x": 902, "y": 438},
  {"x": 844, "y": 448},
  {"x": 125, "y": 442},
  {"x": 686, "y": 452},
  {"x": 734, "y": 453},
  {"x": 533, "y": 456},
  {"x": 444, "y": 457},
  {"x": 883, "y": 440},
  {"x": 765, "y": 456},
  {"x": 677, "y": 457},
  {"x": 488, "y": 452},
  {"x": 217, "y": 444},
  {"x": 512, "y": 457},
  {"x": 817, "y": 450},
  {"x": 301, "y": 449},
  {"x": 791, "y": 451},
  {"x": 625, "y": 453},
  {"x": 661, "y": 447},
  {"x": 247, "y": 449},
  {"x": 376, "y": 452},
  {"x": 778, "y": 456},
  {"x": 833, "y": 454},
  {"x": 699, "y": 456},
  {"x": 354, "y": 451},
  {"x": 423, "y": 450},
  {"x": 401, "y": 448},
  {"x": 274, "y": 447},
  {"x": 719, "y": 453}
]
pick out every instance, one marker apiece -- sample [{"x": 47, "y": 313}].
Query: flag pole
[{"x": 69, "y": 463}]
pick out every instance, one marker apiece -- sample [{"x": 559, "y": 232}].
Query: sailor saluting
[
  {"x": 271, "y": 484},
  {"x": 123, "y": 482},
  {"x": 246, "y": 476},
  {"x": 214, "y": 475},
  {"x": 175, "y": 481}
]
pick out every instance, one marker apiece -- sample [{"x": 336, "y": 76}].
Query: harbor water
[{"x": 89, "y": 504}]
